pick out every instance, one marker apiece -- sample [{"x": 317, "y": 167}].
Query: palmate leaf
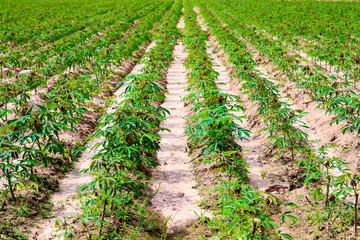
[
  {"x": 285, "y": 235},
  {"x": 54, "y": 147}
]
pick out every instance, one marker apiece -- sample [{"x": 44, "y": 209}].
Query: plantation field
[{"x": 179, "y": 119}]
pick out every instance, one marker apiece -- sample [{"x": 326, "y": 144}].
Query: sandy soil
[
  {"x": 253, "y": 147},
  {"x": 306, "y": 59},
  {"x": 177, "y": 198},
  {"x": 346, "y": 145},
  {"x": 66, "y": 202}
]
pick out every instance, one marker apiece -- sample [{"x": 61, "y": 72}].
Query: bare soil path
[
  {"x": 346, "y": 146},
  {"x": 66, "y": 202},
  {"x": 177, "y": 198},
  {"x": 252, "y": 148}
]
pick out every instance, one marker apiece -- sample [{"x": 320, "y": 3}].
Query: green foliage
[
  {"x": 88, "y": 47},
  {"x": 116, "y": 196},
  {"x": 243, "y": 212}
]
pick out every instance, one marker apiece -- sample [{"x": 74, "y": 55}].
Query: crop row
[
  {"x": 32, "y": 138},
  {"x": 279, "y": 117},
  {"x": 328, "y": 32},
  {"x": 240, "y": 210},
  {"x": 318, "y": 167},
  {"x": 22, "y": 59},
  {"x": 101, "y": 60},
  {"x": 116, "y": 195},
  {"x": 52, "y": 23},
  {"x": 46, "y": 32},
  {"x": 334, "y": 96},
  {"x": 68, "y": 52}
]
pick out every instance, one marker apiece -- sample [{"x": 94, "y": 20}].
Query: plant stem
[
  {"x": 103, "y": 216},
  {"x": 327, "y": 188},
  {"x": 10, "y": 185},
  {"x": 356, "y": 211}
]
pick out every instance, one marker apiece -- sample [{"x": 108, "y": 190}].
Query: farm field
[{"x": 179, "y": 119}]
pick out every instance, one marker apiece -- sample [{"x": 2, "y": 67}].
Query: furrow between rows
[
  {"x": 67, "y": 202},
  {"x": 176, "y": 198}
]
